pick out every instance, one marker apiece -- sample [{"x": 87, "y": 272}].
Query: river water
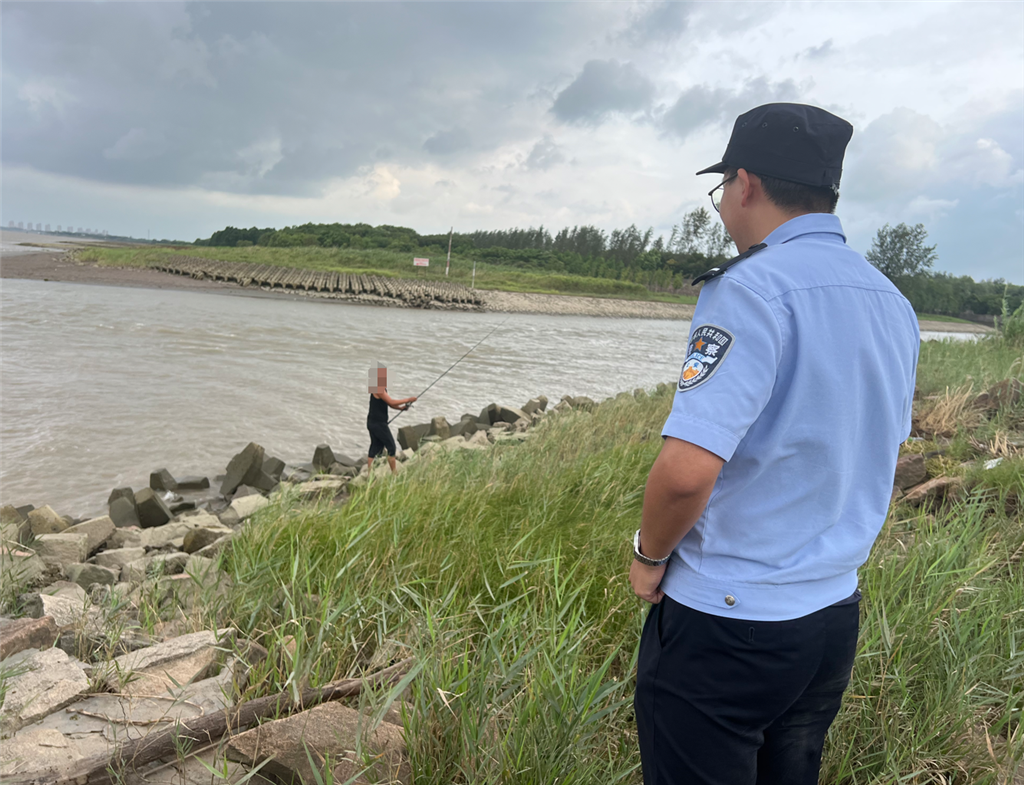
[{"x": 101, "y": 385}]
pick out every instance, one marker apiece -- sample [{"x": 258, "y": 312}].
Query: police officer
[{"x": 775, "y": 473}]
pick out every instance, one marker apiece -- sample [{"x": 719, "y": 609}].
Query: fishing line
[{"x": 463, "y": 357}]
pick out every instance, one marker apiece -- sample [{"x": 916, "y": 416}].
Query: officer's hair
[{"x": 796, "y": 197}]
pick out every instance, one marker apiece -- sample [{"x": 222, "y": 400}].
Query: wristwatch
[{"x": 643, "y": 559}]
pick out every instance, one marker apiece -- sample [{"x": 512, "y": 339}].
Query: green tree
[{"x": 900, "y": 251}]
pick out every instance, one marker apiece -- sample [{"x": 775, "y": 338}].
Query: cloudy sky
[{"x": 180, "y": 118}]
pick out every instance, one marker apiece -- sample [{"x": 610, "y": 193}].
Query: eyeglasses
[{"x": 718, "y": 192}]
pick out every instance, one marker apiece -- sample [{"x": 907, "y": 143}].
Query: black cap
[{"x": 794, "y": 142}]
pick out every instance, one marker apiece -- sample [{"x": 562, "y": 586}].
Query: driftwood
[{"x": 101, "y": 769}]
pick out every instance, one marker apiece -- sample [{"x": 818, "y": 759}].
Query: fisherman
[
  {"x": 775, "y": 473},
  {"x": 377, "y": 418}
]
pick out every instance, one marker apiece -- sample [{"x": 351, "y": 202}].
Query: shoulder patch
[{"x": 709, "y": 346}]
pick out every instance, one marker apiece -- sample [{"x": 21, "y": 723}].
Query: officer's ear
[{"x": 749, "y": 185}]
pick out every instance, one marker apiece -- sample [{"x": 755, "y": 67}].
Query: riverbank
[{"x": 65, "y": 267}]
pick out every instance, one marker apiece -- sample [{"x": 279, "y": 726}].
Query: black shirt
[{"x": 378, "y": 412}]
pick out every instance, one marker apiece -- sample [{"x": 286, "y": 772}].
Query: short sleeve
[{"x": 732, "y": 357}]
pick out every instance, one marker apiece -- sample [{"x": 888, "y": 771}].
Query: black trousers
[
  {"x": 730, "y": 702},
  {"x": 381, "y": 439}
]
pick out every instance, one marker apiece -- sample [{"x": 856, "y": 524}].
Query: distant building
[
  {"x": 79, "y": 229},
  {"x": 39, "y": 227},
  {"x": 47, "y": 227},
  {"x": 10, "y": 224},
  {"x": 21, "y": 224}
]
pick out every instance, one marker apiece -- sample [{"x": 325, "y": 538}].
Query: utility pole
[{"x": 449, "y": 262}]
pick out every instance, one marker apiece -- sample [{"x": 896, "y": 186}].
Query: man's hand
[{"x": 646, "y": 580}]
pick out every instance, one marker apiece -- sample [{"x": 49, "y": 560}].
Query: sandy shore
[{"x": 63, "y": 267}]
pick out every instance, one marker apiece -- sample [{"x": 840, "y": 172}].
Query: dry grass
[{"x": 950, "y": 412}]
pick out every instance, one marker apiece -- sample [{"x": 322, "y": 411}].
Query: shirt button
[{"x": 730, "y": 600}]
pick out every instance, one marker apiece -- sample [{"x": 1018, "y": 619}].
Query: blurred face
[{"x": 378, "y": 380}]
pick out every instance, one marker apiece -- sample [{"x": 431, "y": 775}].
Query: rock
[
  {"x": 340, "y": 470},
  {"x": 184, "y": 505},
  {"x": 561, "y": 407},
  {"x": 248, "y": 505},
  {"x": 152, "y": 509},
  {"x": 162, "y": 480},
  {"x": 409, "y": 436},
  {"x": 160, "y": 536},
  {"x": 65, "y": 610},
  {"x": 639, "y": 394},
  {"x": 20, "y": 567},
  {"x": 934, "y": 490},
  {"x": 50, "y": 682},
  {"x": 273, "y": 467},
  {"x": 315, "y": 489},
  {"x": 533, "y": 406},
  {"x": 896, "y": 495},
  {"x": 123, "y": 512},
  {"x": 193, "y": 483},
  {"x": 98, "y": 530},
  {"x": 20, "y": 634},
  {"x": 479, "y": 439},
  {"x": 197, "y": 539},
  {"x": 161, "y": 655},
  {"x": 583, "y": 402},
  {"x": 116, "y": 559},
  {"x": 62, "y": 549},
  {"x": 39, "y": 755},
  {"x": 45, "y": 521},
  {"x": 323, "y": 457},
  {"x": 85, "y": 575},
  {"x": 910, "y": 470},
  {"x": 215, "y": 549},
  {"x": 121, "y": 493},
  {"x": 202, "y": 569},
  {"x": 9, "y": 514},
  {"x": 490, "y": 414},
  {"x": 244, "y": 468},
  {"x": 328, "y": 730},
  {"x": 439, "y": 427},
  {"x": 245, "y": 490},
  {"x": 345, "y": 460},
  {"x": 512, "y": 416},
  {"x": 168, "y": 563}
]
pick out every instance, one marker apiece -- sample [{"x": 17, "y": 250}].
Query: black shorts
[{"x": 381, "y": 439}]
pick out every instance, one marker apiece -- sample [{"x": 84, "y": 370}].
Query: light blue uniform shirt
[{"x": 800, "y": 375}]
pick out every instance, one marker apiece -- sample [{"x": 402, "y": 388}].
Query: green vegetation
[
  {"x": 504, "y": 574},
  {"x": 900, "y": 253}
]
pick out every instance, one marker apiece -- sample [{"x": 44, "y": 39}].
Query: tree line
[
  {"x": 696, "y": 243},
  {"x": 629, "y": 254},
  {"x": 902, "y": 254}
]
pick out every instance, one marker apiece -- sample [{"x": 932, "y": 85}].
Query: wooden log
[{"x": 205, "y": 729}]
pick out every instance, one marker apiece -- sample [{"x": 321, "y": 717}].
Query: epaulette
[{"x": 714, "y": 272}]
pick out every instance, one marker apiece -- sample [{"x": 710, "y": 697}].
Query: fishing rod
[{"x": 463, "y": 357}]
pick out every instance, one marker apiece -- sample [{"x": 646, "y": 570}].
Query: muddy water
[{"x": 101, "y": 385}]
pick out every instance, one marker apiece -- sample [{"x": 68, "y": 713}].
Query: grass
[
  {"x": 394, "y": 264},
  {"x": 935, "y": 317},
  {"x": 504, "y": 574}
]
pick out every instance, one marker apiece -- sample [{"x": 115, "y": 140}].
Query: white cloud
[
  {"x": 43, "y": 93},
  {"x": 137, "y": 145}
]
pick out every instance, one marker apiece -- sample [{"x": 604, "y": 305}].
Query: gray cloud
[
  {"x": 544, "y": 155},
  {"x": 658, "y": 23},
  {"x": 603, "y": 87},
  {"x": 700, "y": 105},
  {"x": 447, "y": 142},
  {"x": 819, "y": 52}
]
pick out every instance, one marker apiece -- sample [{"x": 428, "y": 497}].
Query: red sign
[{"x": 421, "y": 262}]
